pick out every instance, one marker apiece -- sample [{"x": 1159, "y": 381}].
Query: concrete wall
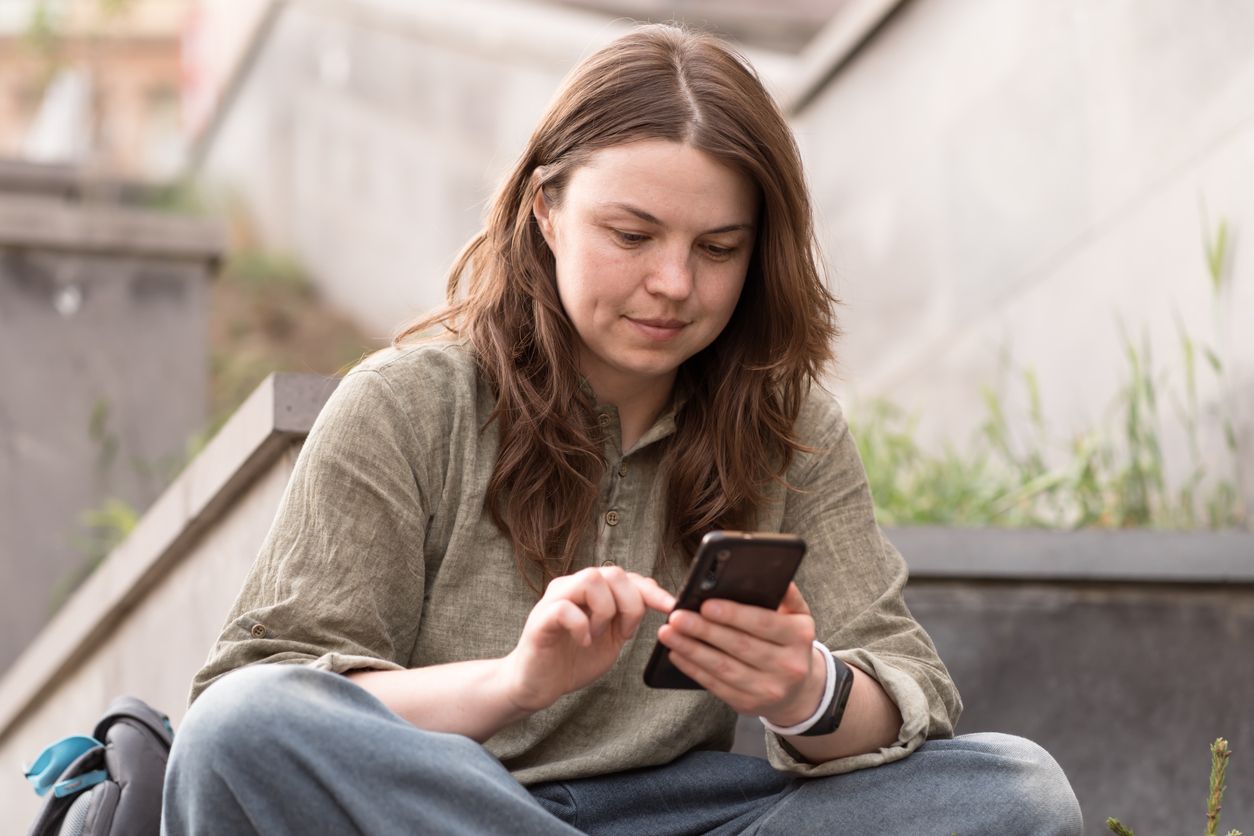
[
  {"x": 367, "y": 139},
  {"x": 992, "y": 178},
  {"x": 103, "y": 380},
  {"x": 366, "y": 136},
  {"x": 144, "y": 622},
  {"x": 1125, "y": 654},
  {"x": 1125, "y": 684},
  {"x": 1125, "y": 681},
  {"x": 1013, "y": 176}
]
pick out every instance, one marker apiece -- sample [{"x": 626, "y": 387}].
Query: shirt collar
[{"x": 663, "y": 427}]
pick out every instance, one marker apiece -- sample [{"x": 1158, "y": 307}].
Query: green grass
[{"x": 1015, "y": 474}]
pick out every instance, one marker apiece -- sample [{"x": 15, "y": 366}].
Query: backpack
[{"x": 109, "y": 783}]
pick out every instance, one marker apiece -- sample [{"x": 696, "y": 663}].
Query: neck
[{"x": 639, "y": 402}]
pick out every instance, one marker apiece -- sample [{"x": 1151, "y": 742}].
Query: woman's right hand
[
  {"x": 576, "y": 631},
  {"x": 572, "y": 636}
]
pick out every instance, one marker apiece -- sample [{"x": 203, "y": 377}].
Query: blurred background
[
  {"x": 1032, "y": 211},
  {"x": 1035, "y": 212}
]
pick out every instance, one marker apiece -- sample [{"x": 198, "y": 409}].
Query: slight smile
[{"x": 658, "y": 329}]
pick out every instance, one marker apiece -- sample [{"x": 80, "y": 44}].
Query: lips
[{"x": 658, "y": 329}]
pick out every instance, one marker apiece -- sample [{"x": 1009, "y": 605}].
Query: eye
[
  {"x": 719, "y": 253},
  {"x": 629, "y": 238}
]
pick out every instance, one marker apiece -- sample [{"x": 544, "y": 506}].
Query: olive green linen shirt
[{"x": 383, "y": 556}]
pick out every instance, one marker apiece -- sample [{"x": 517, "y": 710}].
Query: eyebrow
[{"x": 648, "y": 218}]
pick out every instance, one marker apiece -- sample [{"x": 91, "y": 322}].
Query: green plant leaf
[
  {"x": 1213, "y": 359},
  {"x": 1216, "y": 254},
  {"x": 1115, "y": 826}
]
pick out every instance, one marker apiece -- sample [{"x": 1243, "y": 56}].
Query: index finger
[{"x": 655, "y": 597}]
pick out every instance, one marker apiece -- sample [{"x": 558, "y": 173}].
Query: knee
[
  {"x": 240, "y": 716},
  {"x": 1033, "y": 787}
]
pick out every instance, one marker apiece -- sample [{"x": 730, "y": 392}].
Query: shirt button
[
  {"x": 603, "y": 419},
  {"x": 259, "y": 631},
  {"x": 608, "y": 563},
  {"x": 612, "y": 518},
  {"x": 622, "y": 469}
]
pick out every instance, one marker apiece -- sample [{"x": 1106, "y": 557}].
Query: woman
[{"x": 484, "y": 531}]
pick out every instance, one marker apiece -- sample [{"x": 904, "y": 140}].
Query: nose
[{"x": 671, "y": 274}]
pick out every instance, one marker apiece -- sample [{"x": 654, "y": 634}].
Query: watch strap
[
  {"x": 831, "y": 716},
  {"x": 837, "y": 676}
]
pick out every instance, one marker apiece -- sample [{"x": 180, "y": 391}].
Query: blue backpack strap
[
  {"x": 44, "y": 771},
  {"x": 79, "y": 782}
]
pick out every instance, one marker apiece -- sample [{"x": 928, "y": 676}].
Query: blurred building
[
  {"x": 94, "y": 83},
  {"x": 781, "y": 25},
  {"x": 103, "y": 375}
]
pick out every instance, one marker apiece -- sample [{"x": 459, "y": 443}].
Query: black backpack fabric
[{"x": 112, "y": 787}]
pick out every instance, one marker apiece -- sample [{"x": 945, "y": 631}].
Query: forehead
[{"x": 659, "y": 174}]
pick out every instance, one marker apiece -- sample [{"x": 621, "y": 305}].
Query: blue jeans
[{"x": 289, "y": 750}]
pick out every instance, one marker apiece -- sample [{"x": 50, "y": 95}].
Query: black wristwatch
[{"x": 830, "y": 720}]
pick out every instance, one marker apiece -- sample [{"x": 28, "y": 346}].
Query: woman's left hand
[{"x": 759, "y": 661}]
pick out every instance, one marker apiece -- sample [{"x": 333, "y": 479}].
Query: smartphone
[{"x": 746, "y": 567}]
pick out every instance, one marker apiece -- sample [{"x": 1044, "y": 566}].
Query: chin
[{"x": 652, "y": 367}]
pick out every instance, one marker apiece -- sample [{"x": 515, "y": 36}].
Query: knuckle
[
  {"x": 772, "y": 693},
  {"x": 795, "y": 672}
]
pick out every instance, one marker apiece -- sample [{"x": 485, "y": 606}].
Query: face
[{"x": 652, "y": 241}]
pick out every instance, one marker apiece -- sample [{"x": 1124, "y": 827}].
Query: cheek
[
  {"x": 568, "y": 292},
  {"x": 723, "y": 295},
  {"x": 593, "y": 280},
  {"x": 579, "y": 292}
]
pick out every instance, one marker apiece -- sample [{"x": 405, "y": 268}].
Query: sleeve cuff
[
  {"x": 901, "y": 689},
  {"x": 346, "y": 663}
]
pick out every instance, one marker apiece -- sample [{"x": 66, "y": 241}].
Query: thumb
[{"x": 793, "y": 603}]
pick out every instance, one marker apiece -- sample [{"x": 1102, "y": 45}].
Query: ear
[{"x": 543, "y": 213}]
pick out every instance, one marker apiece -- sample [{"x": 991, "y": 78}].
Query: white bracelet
[{"x": 828, "y": 691}]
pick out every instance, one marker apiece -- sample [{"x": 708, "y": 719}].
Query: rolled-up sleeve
[
  {"x": 338, "y": 576},
  {"x": 852, "y": 579}
]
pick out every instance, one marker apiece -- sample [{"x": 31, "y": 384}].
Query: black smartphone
[{"x": 746, "y": 567}]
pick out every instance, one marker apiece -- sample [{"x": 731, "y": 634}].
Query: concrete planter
[{"x": 1124, "y": 653}]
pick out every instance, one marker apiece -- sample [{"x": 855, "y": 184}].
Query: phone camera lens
[
  {"x": 722, "y": 555},
  {"x": 709, "y": 582}
]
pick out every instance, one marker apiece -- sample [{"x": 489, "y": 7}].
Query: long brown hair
[{"x": 735, "y": 432}]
